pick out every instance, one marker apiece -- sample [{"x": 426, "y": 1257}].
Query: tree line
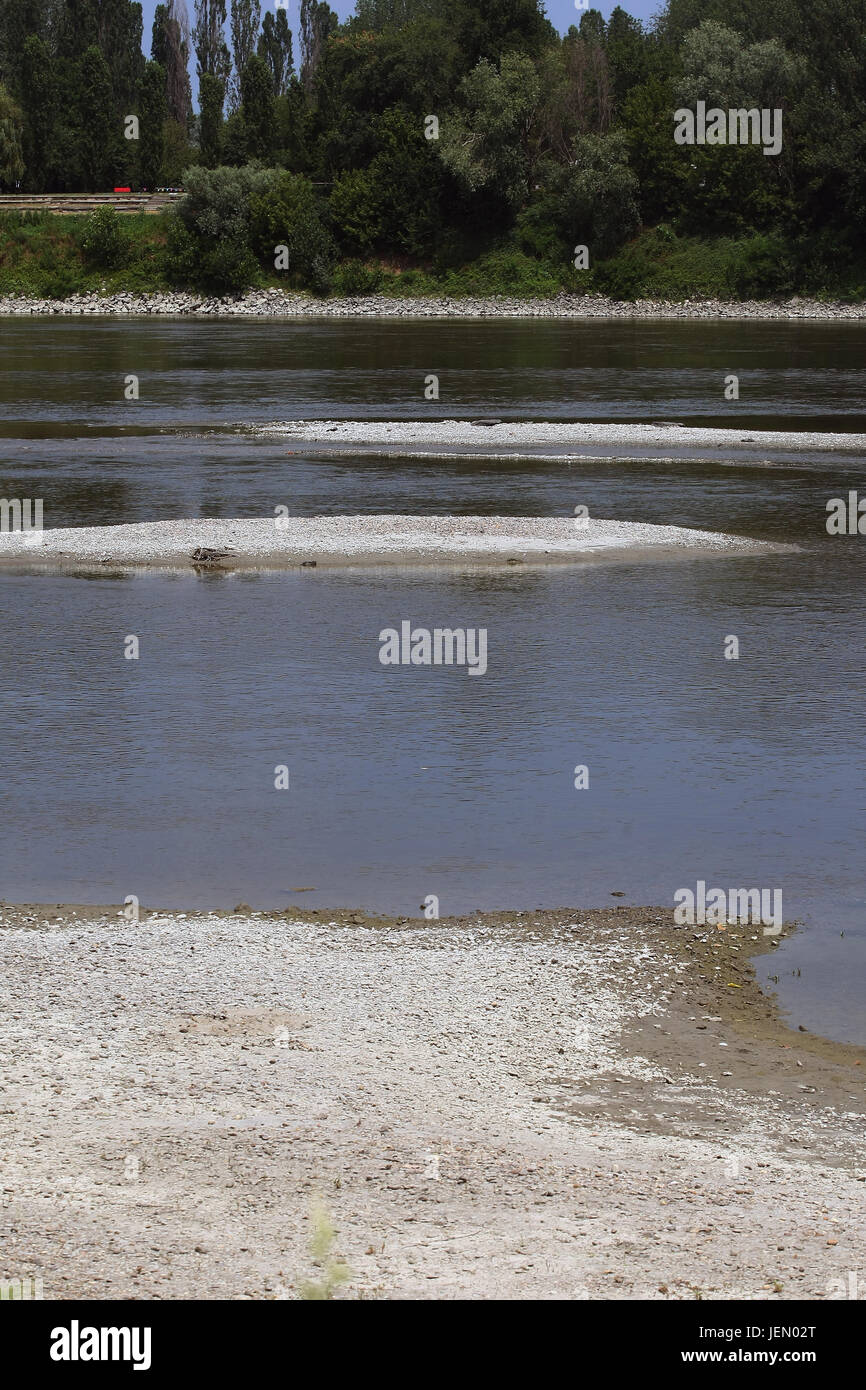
[{"x": 426, "y": 131}]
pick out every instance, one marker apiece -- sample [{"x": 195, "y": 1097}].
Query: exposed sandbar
[
  {"x": 363, "y": 541},
  {"x": 570, "y": 1104},
  {"x": 392, "y": 434}
]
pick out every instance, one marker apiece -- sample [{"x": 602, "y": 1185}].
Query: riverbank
[
  {"x": 276, "y": 303},
  {"x": 368, "y": 541},
  {"x": 541, "y": 1104}
]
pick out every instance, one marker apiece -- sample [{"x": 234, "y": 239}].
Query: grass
[
  {"x": 41, "y": 255},
  {"x": 332, "y": 1272}
]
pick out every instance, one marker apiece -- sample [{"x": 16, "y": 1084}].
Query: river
[{"x": 155, "y": 777}]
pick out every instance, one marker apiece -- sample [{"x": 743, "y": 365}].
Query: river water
[{"x": 156, "y": 777}]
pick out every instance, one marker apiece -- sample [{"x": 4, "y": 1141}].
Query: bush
[
  {"x": 286, "y": 213},
  {"x": 761, "y": 268},
  {"x": 355, "y": 207},
  {"x": 625, "y": 276},
  {"x": 103, "y": 240},
  {"x": 507, "y": 271},
  {"x": 217, "y": 201},
  {"x": 209, "y": 244},
  {"x": 355, "y": 278}
]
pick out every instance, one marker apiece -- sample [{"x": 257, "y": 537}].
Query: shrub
[
  {"x": 355, "y": 206},
  {"x": 286, "y": 213},
  {"x": 211, "y": 245},
  {"x": 103, "y": 240},
  {"x": 355, "y": 278},
  {"x": 217, "y": 201},
  {"x": 626, "y": 275},
  {"x": 761, "y": 268}
]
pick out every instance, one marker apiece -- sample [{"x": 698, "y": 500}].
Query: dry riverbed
[{"x": 542, "y": 1104}]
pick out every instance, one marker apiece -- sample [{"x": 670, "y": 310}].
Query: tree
[
  {"x": 245, "y": 19},
  {"x": 485, "y": 144},
  {"x": 490, "y": 28},
  {"x": 170, "y": 48},
  {"x": 11, "y": 133},
  {"x": 577, "y": 96},
  {"x": 720, "y": 69},
  {"x": 211, "y": 50},
  {"x": 317, "y": 22},
  {"x": 18, "y": 20},
  {"x": 592, "y": 27},
  {"x": 211, "y": 94},
  {"x": 598, "y": 194},
  {"x": 275, "y": 46},
  {"x": 658, "y": 163},
  {"x": 257, "y": 105},
  {"x": 286, "y": 214},
  {"x": 39, "y": 99},
  {"x": 626, "y": 49},
  {"x": 99, "y": 127},
  {"x": 153, "y": 110}
]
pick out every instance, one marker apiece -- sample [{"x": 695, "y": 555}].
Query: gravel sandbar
[
  {"x": 329, "y": 541},
  {"x": 529, "y": 433},
  {"x": 572, "y": 1104}
]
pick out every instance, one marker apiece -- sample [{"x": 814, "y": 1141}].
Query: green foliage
[
  {"x": 355, "y": 207},
  {"x": 152, "y": 118},
  {"x": 103, "y": 239},
  {"x": 211, "y": 97},
  {"x": 762, "y": 267},
  {"x": 597, "y": 195},
  {"x": 719, "y": 68},
  {"x": 275, "y": 47},
  {"x": 99, "y": 151},
  {"x": 215, "y": 213},
  {"x": 506, "y": 270},
  {"x": 257, "y": 103},
  {"x": 11, "y": 131},
  {"x": 354, "y": 278},
  {"x": 285, "y": 212},
  {"x": 483, "y": 144},
  {"x": 217, "y": 201}
]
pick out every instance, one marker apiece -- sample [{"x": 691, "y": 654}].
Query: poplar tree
[
  {"x": 245, "y": 20},
  {"x": 275, "y": 47}
]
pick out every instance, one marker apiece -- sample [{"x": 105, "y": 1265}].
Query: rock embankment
[{"x": 275, "y": 303}]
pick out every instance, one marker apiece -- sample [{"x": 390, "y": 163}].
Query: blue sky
[{"x": 561, "y": 13}]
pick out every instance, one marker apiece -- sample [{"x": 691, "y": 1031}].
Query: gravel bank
[
  {"x": 523, "y": 434},
  {"x": 330, "y": 541},
  {"x": 279, "y": 304},
  {"x": 561, "y": 1104}
]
